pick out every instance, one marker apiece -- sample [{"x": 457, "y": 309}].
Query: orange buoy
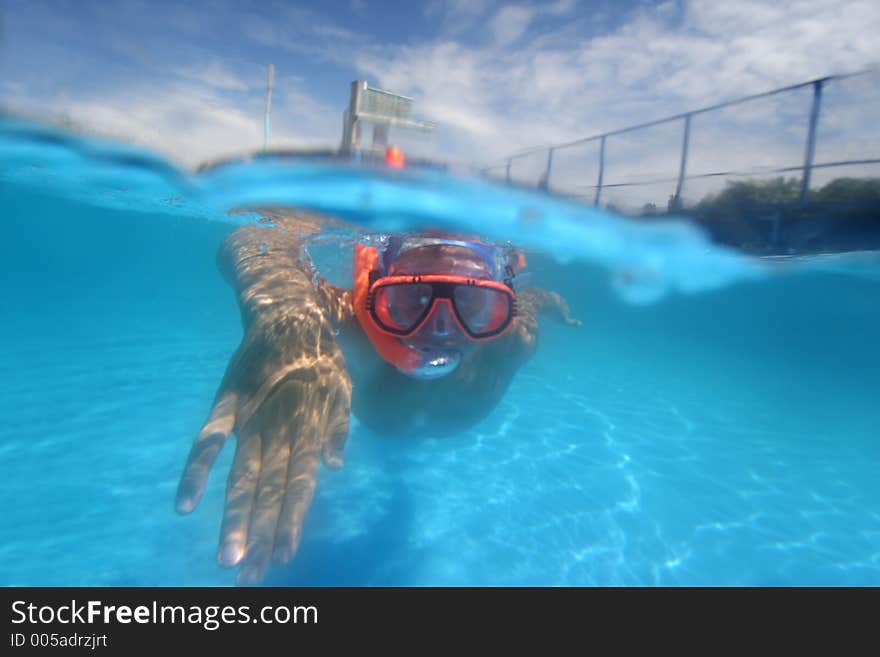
[{"x": 394, "y": 157}]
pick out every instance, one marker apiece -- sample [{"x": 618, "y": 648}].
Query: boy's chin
[{"x": 435, "y": 362}]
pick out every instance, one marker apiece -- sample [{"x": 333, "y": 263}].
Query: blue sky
[{"x": 188, "y": 78}]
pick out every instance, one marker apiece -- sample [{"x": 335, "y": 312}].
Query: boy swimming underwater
[{"x": 432, "y": 322}]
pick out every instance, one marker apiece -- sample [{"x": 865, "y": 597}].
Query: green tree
[
  {"x": 748, "y": 192},
  {"x": 849, "y": 189},
  {"x": 787, "y": 190}
]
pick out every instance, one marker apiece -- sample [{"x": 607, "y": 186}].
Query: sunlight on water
[{"x": 646, "y": 261}]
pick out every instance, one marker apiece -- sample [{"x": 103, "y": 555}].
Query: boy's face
[{"x": 441, "y": 344}]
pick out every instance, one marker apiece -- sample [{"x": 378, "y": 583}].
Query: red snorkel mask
[
  {"x": 401, "y": 305},
  {"x": 393, "y": 307}
]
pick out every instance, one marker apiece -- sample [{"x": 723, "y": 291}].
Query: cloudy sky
[{"x": 188, "y": 78}]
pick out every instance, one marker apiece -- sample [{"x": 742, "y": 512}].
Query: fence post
[
  {"x": 544, "y": 183},
  {"x": 269, "y": 83},
  {"x": 811, "y": 140},
  {"x": 601, "y": 171},
  {"x": 682, "y": 171},
  {"x": 777, "y": 228},
  {"x": 507, "y": 175}
]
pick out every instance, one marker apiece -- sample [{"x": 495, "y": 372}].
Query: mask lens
[
  {"x": 400, "y": 307},
  {"x": 481, "y": 309}
]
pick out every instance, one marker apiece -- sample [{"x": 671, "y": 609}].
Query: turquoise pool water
[{"x": 713, "y": 422}]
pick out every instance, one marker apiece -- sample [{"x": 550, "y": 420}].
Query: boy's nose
[{"x": 441, "y": 324}]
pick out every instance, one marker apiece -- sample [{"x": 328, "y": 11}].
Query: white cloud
[
  {"x": 454, "y": 17},
  {"x": 358, "y": 7},
  {"x": 210, "y": 104},
  {"x": 190, "y": 122},
  {"x": 510, "y": 23},
  {"x": 181, "y": 121},
  {"x": 561, "y": 7},
  {"x": 297, "y": 29},
  {"x": 493, "y": 92},
  {"x": 214, "y": 74},
  {"x": 562, "y": 86}
]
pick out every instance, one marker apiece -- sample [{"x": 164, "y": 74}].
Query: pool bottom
[{"x": 581, "y": 477}]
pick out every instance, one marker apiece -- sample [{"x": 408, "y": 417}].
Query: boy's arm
[
  {"x": 286, "y": 395},
  {"x": 531, "y": 302}
]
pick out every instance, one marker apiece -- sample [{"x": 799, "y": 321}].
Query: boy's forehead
[{"x": 441, "y": 258}]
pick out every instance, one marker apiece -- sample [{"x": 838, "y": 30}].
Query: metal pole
[
  {"x": 676, "y": 200},
  {"x": 507, "y": 176},
  {"x": 601, "y": 171},
  {"x": 269, "y": 84},
  {"x": 351, "y": 130},
  {"x": 544, "y": 183},
  {"x": 811, "y": 140},
  {"x": 777, "y": 227}
]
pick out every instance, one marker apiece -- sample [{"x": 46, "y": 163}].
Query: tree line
[{"x": 783, "y": 190}]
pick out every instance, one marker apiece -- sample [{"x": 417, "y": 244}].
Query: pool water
[{"x": 713, "y": 423}]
